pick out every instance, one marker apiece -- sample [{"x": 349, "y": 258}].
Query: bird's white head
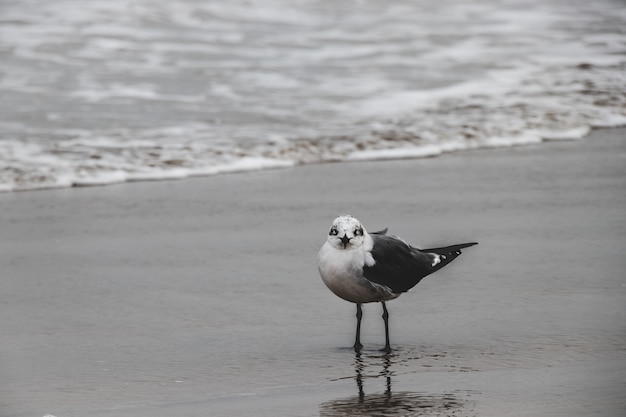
[{"x": 346, "y": 233}]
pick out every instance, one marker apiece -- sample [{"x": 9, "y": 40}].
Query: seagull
[{"x": 363, "y": 267}]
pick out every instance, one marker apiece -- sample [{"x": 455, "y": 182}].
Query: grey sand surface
[{"x": 201, "y": 297}]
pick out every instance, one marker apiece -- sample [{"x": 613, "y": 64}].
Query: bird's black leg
[
  {"x": 357, "y": 342},
  {"x": 387, "y": 348}
]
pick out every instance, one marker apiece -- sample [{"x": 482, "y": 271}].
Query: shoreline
[
  {"x": 202, "y": 296},
  {"x": 257, "y": 164}
]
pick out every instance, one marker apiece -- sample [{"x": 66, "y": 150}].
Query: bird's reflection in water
[{"x": 391, "y": 403}]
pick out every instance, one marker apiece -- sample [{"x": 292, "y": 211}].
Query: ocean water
[{"x": 99, "y": 92}]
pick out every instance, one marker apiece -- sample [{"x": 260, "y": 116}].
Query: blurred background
[{"x": 98, "y": 92}]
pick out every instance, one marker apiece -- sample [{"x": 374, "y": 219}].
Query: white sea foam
[
  {"x": 569, "y": 134},
  {"x": 107, "y": 93},
  {"x": 609, "y": 120},
  {"x": 397, "y": 153},
  {"x": 526, "y": 138}
]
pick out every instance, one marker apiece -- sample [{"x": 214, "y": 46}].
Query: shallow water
[
  {"x": 202, "y": 297},
  {"x": 125, "y": 90}
]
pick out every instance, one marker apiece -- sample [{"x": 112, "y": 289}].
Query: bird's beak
[{"x": 345, "y": 240}]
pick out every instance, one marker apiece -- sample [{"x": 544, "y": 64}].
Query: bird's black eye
[
  {"x": 358, "y": 231},
  {"x": 333, "y": 231}
]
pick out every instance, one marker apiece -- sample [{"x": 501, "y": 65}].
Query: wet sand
[{"x": 201, "y": 297}]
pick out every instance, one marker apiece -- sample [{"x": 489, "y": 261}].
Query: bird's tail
[{"x": 448, "y": 254}]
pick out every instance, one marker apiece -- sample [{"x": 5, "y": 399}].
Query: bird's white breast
[{"x": 342, "y": 272}]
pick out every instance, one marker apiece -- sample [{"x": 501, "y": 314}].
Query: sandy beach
[{"x": 201, "y": 297}]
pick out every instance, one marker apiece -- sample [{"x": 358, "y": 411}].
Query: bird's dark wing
[
  {"x": 400, "y": 266},
  {"x": 397, "y": 265},
  {"x": 448, "y": 254},
  {"x": 380, "y": 232}
]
